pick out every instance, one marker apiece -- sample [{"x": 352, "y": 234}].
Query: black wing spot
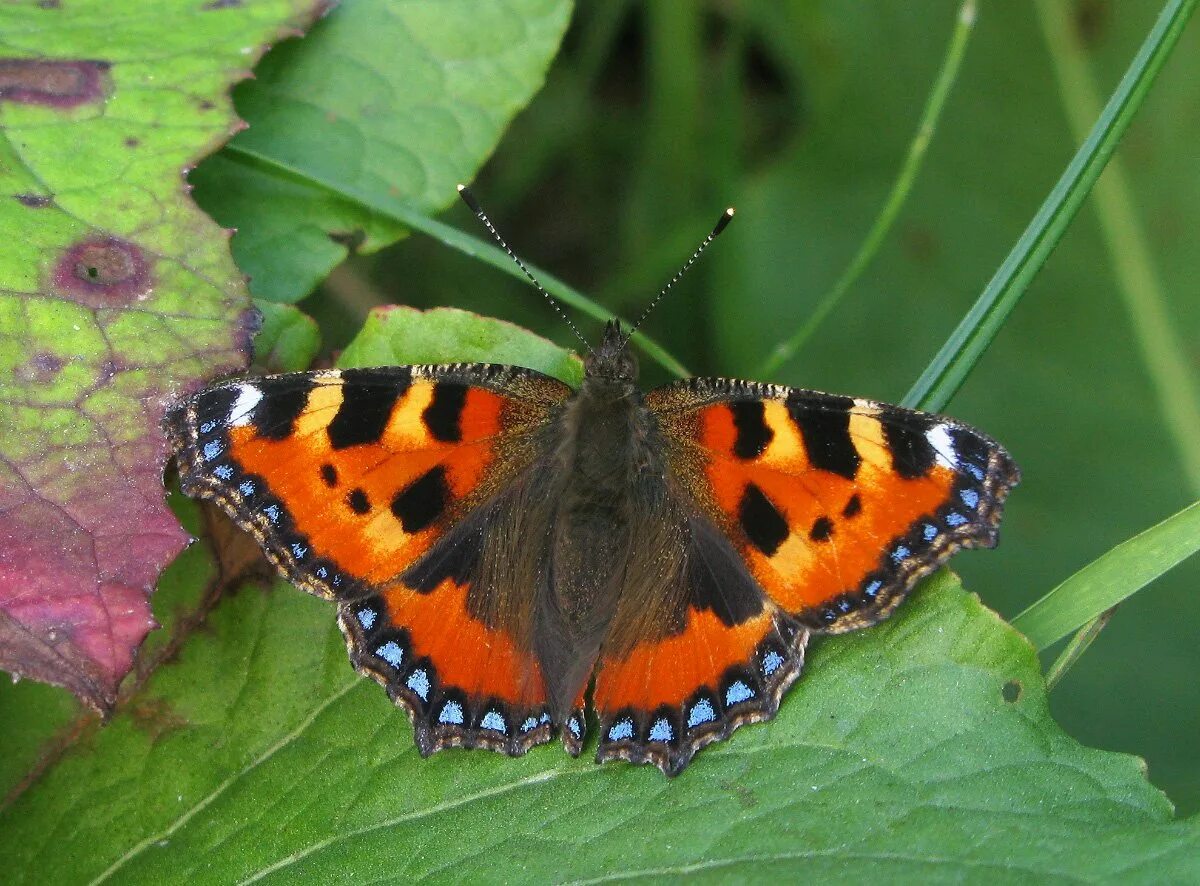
[
  {"x": 753, "y": 433},
  {"x": 913, "y": 455},
  {"x": 329, "y": 474},
  {"x": 283, "y": 399},
  {"x": 358, "y": 501},
  {"x": 443, "y": 415},
  {"x": 422, "y": 501},
  {"x": 824, "y": 423},
  {"x": 822, "y": 529},
  {"x": 853, "y": 507},
  {"x": 367, "y": 403},
  {"x": 761, "y": 521}
]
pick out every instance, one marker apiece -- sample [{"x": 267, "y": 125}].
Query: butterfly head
[{"x": 613, "y": 361}]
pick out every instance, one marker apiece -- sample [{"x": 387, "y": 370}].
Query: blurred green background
[{"x": 657, "y": 115}]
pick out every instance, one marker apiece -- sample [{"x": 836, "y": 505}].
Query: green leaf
[
  {"x": 1115, "y": 576},
  {"x": 943, "y": 377},
  {"x": 116, "y": 294},
  {"x": 288, "y": 340},
  {"x": 396, "y": 336},
  {"x": 406, "y": 99},
  {"x": 921, "y": 746}
]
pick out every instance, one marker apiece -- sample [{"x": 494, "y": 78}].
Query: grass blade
[
  {"x": 943, "y": 377},
  {"x": 1123, "y": 230},
  {"x": 896, "y": 199},
  {"x": 1111, "y": 578},
  {"x": 396, "y": 210}
]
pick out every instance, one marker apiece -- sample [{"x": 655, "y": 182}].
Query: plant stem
[{"x": 896, "y": 198}]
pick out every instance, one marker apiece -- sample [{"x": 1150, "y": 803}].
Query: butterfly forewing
[{"x": 837, "y": 505}]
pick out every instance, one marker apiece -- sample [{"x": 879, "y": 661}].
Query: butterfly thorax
[{"x": 610, "y": 469}]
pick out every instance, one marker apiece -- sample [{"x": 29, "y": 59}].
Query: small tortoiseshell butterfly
[{"x": 497, "y": 541}]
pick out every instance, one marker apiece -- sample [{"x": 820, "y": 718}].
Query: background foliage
[{"x": 254, "y": 751}]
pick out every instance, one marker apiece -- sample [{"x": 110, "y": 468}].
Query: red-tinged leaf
[{"x": 116, "y": 295}]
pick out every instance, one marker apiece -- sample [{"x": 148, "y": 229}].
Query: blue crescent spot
[
  {"x": 322, "y": 572},
  {"x": 212, "y": 450},
  {"x": 873, "y": 588},
  {"x": 737, "y": 692},
  {"x": 702, "y": 712},
  {"x": 954, "y": 518},
  {"x": 529, "y": 725},
  {"x": 247, "y": 488},
  {"x": 493, "y": 721},
  {"x": 900, "y": 553},
  {"x": 545, "y": 717},
  {"x": 621, "y": 730},
  {"x": 299, "y": 550},
  {"x": 970, "y": 498},
  {"x": 225, "y": 472},
  {"x": 452, "y": 713},
  {"x": 975, "y": 471},
  {"x": 418, "y": 682},
  {"x": 771, "y": 662},
  {"x": 573, "y": 725},
  {"x": 929, "y": 532},
  {"x": 208, "y": 427},
  {"x": 366, "y": 617},
  {"x": 661, "y": 730},
  {"x": 391, "y": 652},
  {"x": 272, "y": 512}
]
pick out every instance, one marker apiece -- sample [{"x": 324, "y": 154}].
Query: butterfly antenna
[
  {"x": 722, "y": 222},
  {"x": 473, "y": 204}
]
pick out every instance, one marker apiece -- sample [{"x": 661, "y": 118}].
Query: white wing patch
[
  {"x": 943, "y": 445},
  {"x": 242, "y": 408}
]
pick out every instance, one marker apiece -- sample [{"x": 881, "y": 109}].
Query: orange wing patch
[
  {"x": 463, "y": 683},
  {"x": 348, "y": 477},
  {"x": 669, "y": 697},
  {"x": 837, "y": 505}
]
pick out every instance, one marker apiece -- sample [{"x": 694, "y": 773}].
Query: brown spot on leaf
[
  {"x": 102, "y": 273},
  {"x": 132, "y": 142},
  {"x": 33, "y": 201},
  {"x": 221, "y": 4},
  {"x": 1012, "y": 691},
  {"x": 40, "y": 368},
  {"x": 50, "y": 4},
  {"x": 57, "y": 84},
  {"x": 156, "y": 717},
  {"x": 205, "y": 105}
]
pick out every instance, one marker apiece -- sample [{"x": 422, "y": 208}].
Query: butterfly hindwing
[
  {"x": 836, "y": 505},
  {"x": 355, "y": 483}
]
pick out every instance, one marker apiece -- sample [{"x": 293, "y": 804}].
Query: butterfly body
[{"x": 498, "y": 542}]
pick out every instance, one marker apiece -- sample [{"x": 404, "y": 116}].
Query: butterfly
[{"x": 499, "y": 543}]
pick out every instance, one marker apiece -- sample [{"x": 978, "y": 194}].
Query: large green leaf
[
  {"x": 922, "y": 748},
  {"x": 116, "y": 294},
  {"x": 405, "y": 98}
]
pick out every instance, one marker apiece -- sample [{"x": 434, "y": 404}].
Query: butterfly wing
[
  {"x": 836, "y": 505},
  {"x": 806, "y": 512},
  {"x": 369, "y": 487}
]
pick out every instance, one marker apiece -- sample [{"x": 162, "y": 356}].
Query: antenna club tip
[
  {"x": 726, "y": 218},
  {"x": 461, "y": 187},
  {"x": 730, "y": 212}
]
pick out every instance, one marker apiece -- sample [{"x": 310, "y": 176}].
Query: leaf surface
[
  {"x": 406, "y": 99},
  {"x": 116, "y": 295}
]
